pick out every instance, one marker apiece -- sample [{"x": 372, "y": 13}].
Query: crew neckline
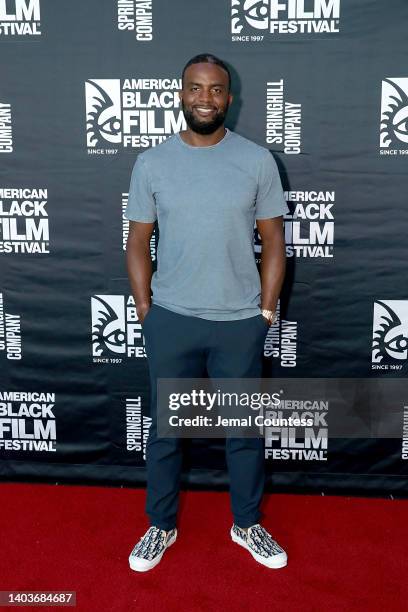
[{"x": 217, "y": 144}]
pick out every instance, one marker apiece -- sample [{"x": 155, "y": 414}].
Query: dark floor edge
[{"x": 364, "y": 485}]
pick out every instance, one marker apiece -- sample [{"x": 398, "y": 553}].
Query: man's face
[{"x": 204, "y": 97}]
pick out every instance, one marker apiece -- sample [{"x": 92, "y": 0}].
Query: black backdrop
[{"x": 84, "y": 87}]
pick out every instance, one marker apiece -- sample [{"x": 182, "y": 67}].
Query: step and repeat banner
[{"x": 87, "y": 85}]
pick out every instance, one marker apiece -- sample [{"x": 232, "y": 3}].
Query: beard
[{"x": 202, "y": 126}]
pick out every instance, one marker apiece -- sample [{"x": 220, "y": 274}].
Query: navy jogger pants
[{"x": 179, "y": 346}]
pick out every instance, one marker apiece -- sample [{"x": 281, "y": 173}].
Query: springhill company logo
[
  {"x": 125, "y": 230},
  {"x": 136, "y": 16},
  {"x": 6, "y": 128}
]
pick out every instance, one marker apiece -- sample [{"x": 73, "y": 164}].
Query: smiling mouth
[{"x": 201, "y": 110}]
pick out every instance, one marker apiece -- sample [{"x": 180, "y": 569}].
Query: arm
[
  {"x": 273, "y": 261},
  {"x": 139, "y": 264}
]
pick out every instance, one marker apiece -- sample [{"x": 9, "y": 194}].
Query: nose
[{"x": 205, "y": 98}]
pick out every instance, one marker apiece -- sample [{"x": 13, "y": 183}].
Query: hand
[
  {"x": 267, "y": 321},
  {"x": 142, "y": 312}
]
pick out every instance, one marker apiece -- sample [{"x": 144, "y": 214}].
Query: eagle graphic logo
[
  {"x": 103, "y": 113},
  {"x": 108, "y": 327},
  {"x": 394, "y": 113},
  {"x": 255, "y": 13},
  {"x": 390, "y": 334}
]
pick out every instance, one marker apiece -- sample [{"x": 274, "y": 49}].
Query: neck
[{"x": 202, "y": 140}]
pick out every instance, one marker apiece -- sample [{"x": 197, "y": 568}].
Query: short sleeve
[
  {"x": 141, "y": 205},
  {"x": 270, "y": 201}
]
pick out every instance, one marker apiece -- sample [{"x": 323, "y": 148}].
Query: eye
[
  {"x": 259, "y": 10},
  {"x": 401, "y": 121},
  {"x": 115, "y": 337},
  {"x": 401, "y": 127},
  {"x": 398, "y": 344},
  {"x": 111, "y": 126}
]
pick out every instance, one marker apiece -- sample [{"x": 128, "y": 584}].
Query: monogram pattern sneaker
[
  {"x": 151, "y": 547},
  {"x": 261, "y": 545}
]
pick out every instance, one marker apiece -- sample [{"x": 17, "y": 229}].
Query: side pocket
[
  {"x": 147, "y": 316},
  {"x": 264, "y": 321}
]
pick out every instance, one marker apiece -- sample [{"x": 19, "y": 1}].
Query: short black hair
[{"x": 207, "y": 58}]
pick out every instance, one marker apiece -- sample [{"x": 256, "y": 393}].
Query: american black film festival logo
[
  {"x": 24, "y": 224},
  {"x": 394, "y": 117},
  {"x": 116, "y": 330},
  {"x": 27, "y": 421},
  {"x": 6, "y": 129},
  {"x": 286, "y": 442},
  {"x": 256, "y": 20},
  {"x": 19, "y": 18},
  {"x": 309, "y": 225},
  {"x": 131, "y": 113},
  {"x": 390, "y": 335},
  {"x": 136, "y": 16},
  {"x": 10, "y": 333}
]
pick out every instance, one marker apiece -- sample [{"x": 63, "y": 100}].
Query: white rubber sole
[
  {"x": 275, "y": 562},
  {"x": 142, "y": 565}
]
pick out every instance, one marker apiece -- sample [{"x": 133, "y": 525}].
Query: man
[{"x": 205, "y": 186}]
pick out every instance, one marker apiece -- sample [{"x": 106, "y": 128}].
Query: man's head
[{"x": 205, "y": 96}]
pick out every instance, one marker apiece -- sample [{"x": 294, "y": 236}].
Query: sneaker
[
  {"x": 261, "y": 545},
  {"x": 151, "y": 547}
]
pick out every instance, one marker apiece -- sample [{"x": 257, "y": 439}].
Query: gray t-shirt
[{"x": 206, "y": 200}]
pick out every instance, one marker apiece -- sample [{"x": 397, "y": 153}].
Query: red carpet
[{"x": 345, "y": 554}]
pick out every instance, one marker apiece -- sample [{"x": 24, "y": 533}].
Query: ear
[{"x": 230, "y": 98}]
